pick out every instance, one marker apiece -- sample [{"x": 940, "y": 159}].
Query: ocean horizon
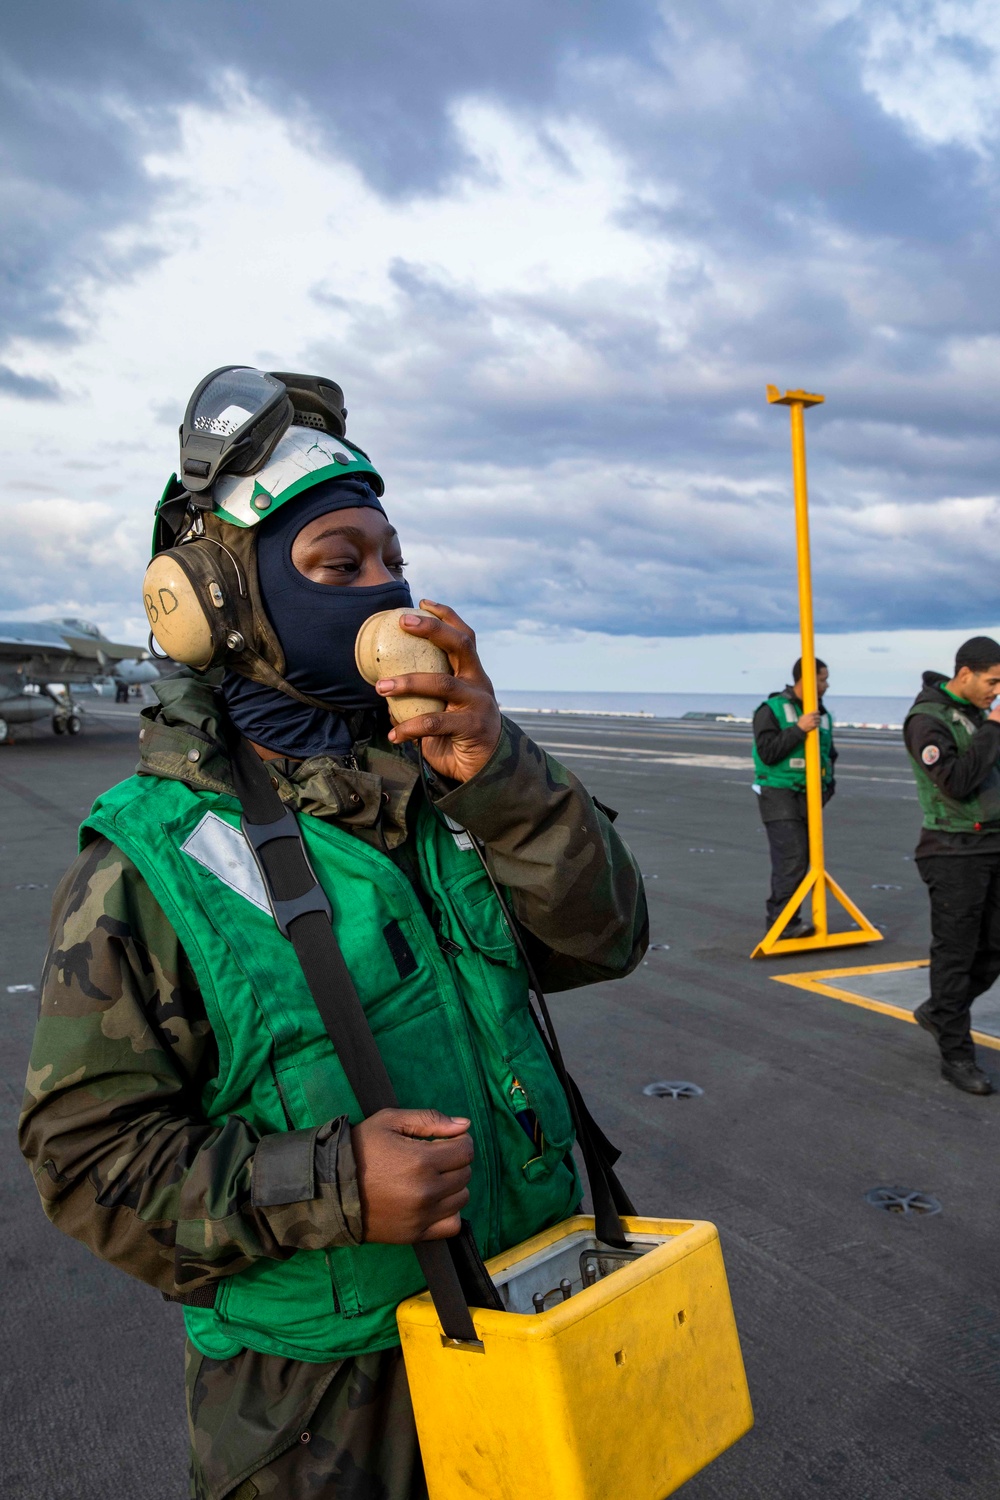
[{"x": 846, "y": 708}]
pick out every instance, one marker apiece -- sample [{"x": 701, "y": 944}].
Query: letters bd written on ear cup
[{"x": 188, "y": 593}]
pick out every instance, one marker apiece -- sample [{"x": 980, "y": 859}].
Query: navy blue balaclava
[{"x": 317, "y": 625}]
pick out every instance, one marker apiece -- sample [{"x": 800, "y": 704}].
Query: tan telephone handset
[{"x": 384, "y": 649}]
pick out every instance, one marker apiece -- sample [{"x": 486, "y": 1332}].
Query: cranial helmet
[{"x": 251, "y": 441}]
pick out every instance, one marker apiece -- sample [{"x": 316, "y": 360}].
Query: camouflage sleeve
[
  {"x": 111, "y": 1126},
  {"x": 574, "y": 883}
]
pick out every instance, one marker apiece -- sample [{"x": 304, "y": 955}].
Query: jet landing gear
[
  {"x": 33, "y": 703},
  {"x": 66, "y": 718}
]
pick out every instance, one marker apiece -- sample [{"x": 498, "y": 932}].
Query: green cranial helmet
[{"x": 251, "y": 441}]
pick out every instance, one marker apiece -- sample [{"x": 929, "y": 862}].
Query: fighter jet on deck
[{"x": 41, "y": 660}]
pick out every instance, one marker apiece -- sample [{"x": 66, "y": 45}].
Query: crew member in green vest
[
  {"x": 952, "y": 734},
  {"x": 779, "y": 737},
  {"x": 187, "y": 1117}
]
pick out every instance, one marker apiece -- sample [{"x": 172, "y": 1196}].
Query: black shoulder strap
[{"x": 303, "y": 915}]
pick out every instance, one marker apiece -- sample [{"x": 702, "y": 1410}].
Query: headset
[{"x": 251, "y": 440}]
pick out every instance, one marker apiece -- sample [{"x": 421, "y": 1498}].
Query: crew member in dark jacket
[
  {"x": 779, "y": 736},
  {"x": 954, "y": 744}
]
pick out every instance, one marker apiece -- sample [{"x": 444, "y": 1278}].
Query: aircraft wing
[{"x": 60, "y": 651}]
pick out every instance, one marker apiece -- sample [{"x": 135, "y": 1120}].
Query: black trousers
[
  {"x": 965, "y": 941},
  {"x": 789, "y": 841}
]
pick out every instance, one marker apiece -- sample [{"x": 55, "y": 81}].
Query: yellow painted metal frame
[
  {"x": 816, "y": 983},
  {"x": 817, "y": 881},
  {"x": 621, "y": 1393}
]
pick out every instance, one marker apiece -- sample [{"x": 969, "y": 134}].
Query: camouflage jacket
[{"x": 111, "y": 1125}]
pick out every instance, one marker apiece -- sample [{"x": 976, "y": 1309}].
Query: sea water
[{"x": 845, "y": 708}]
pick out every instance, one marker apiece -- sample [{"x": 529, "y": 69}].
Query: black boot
[{"x": 964, "y": 1074}]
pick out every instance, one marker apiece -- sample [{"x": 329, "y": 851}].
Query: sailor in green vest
[
  {"x": 952, "y": 733},
  {"x": 779, "y": 737},
  {"x": 186, "y": 1115}
]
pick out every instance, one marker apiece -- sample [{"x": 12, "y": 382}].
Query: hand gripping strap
[{"x": 303, "y": 914}]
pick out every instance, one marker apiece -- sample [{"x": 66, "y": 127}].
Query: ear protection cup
[
  {"x": 190, "y": 605},
  {"x": 203, "y": 604}
]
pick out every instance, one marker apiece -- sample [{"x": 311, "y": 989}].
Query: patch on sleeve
[{"x": 929, "y": 754}]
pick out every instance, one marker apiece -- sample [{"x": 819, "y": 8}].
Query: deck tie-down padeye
[{"x": 509, "y": 1361}]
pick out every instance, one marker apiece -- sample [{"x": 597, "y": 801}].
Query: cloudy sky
[{"x": 553, "y": 252}]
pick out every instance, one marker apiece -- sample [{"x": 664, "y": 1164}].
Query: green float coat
[
  {"x": 791, "y": 772},
  {"x": 454, "y": 1029},
  {"x": 950, "y": 814}
]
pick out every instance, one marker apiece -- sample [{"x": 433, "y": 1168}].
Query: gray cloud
[
  {"x": 808, "y": 236},
  {"x": 85, "y": 92},
  {"x": 27, "y": 387}
]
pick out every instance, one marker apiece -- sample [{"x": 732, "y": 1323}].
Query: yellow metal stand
[{"x": 817, "y": 881}]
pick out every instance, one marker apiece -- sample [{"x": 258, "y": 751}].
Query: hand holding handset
[
  {"x": 384, "y": 649},
  {"x": 425, "y": 664}
]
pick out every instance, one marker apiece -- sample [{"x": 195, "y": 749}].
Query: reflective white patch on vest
[
  {"x": 222, "y": 849},
  {"x": 797, "y": 763},
  {"x": 791, "y": 717},
  {"x": 929, "y": 754},
  {"x": 826, "y": 721}
]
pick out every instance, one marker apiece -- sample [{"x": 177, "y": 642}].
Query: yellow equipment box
[{"x": 612, "y": 1375}]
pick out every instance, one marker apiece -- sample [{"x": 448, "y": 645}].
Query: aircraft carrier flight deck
[{"x": 871, "y": 1336}]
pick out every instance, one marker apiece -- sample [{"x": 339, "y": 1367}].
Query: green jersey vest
[
  {"x": 791, "y": 772},
  {"x": 448, "y": 1004},
  {"x": 950, "y": 814}
]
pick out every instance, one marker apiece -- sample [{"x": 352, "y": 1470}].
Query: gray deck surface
[
  {"x": 907, "y": 988},
  {"x": 872, "y": 1342}
]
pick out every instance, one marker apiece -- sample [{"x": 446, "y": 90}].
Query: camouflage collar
[{"x": 182, "y": 741}]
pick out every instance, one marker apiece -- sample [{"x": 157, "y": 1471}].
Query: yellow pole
[
  {"x": 810, "y": 690},
  {"x": 817, "y": 881}
]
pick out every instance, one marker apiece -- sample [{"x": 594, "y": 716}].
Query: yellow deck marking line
[{"x": 814, "y": 981}]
